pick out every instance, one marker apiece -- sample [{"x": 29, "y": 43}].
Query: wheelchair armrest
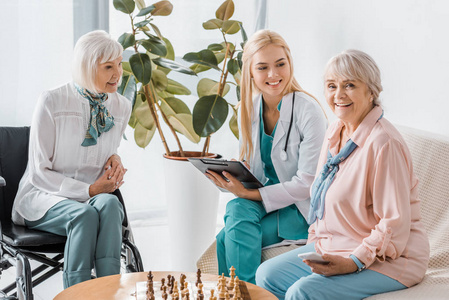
[{"x": 2, "y": 183}]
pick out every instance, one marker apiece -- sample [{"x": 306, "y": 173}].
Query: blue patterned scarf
[
  {"x": 100, "y": 118},
  {"x": 325, "y": 178}
]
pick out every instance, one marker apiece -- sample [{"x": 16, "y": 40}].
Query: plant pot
[{"x": 192, "y": 211}]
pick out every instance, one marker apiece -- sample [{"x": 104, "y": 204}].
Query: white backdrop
[{"x": 407, "y": 38}]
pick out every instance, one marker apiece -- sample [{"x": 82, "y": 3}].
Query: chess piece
[
  {"x": 212, "y": 292},
  {"x": 200, "y": 295},
  {"x": 175, "y": 288},
  {"x": 232, "y": 274},
  {"x": 150, "y": 276},
  {"x": 198, "y": 277},
  {"x": 162, "y": 283},
  {"x": 164, "y": 292}
]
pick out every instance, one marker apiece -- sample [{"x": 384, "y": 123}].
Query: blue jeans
[
  {"x": 94, "y": 235},
  {"x": 287, "y": 277}
]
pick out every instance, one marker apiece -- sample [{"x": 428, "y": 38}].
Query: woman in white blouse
[{"x": 73, "y": 166}]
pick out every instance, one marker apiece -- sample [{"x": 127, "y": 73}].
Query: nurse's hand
[
  {"x": 233, "y": 185},
  {"x": 337, "y": 265}
]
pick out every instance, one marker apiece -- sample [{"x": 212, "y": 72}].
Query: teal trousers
[
  {"x": 94, "y": 236},
  {"x": 247, "y": 229},
  {"x": 287, "y": 277}
]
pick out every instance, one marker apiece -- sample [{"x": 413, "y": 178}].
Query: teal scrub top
[{"x": 291, "y": 223}]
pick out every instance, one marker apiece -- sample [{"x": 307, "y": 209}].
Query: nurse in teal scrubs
[{"x": 281, "y": 132}]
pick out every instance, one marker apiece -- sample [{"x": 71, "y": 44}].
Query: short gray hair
[
  {"x": 356, "y": 65},
  {"x": 91, "y": 49}
]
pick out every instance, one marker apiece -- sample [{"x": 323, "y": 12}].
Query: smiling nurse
[{"x": 281, "y": 130}]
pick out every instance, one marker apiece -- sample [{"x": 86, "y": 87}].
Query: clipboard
[{"x": 235, "y": 168}]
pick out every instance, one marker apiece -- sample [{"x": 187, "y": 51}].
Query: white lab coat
[
  {"x": 297, "y": 173},
  {"x": 58, "y": 166}
]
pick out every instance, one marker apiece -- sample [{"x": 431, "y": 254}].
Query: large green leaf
[
  {"x": 175, "y": 88},
  {"x": 204, "y": 57},
  {"x": 143, "y": 136},
  {"x": 126, "y": 68},
  {"x": 144, "y": 116},
  {"x": 233, "y": 124},
  {"x": 197, "y": 68},
  {"x": 208, "y": 87},
  {"x": 159, "y": 79},
  {"x": 140, "y": 4},
  {"x": 157, "y": 31},
  {"x": 162, "y": 8},
  {"x": 238, "y": 77},
  {"x": 212, "y": 24},
  {"x": 145, "y": 11},
  {"x": 225, "y": 11},
  {"x": 142, "y": 24},
  {"x": 172, "y": 106},
  {"x": 172, "y": 65},
  {"x": 183, "y": 124},
  {"x": 215, "y": 47},
  {"x": 233, "y": 66},
  {"x": 128, "y": 88},
  {"x": 126, "y": 6},
  {"x": 154, "y": 45},
  {"x": 141, "y": 66},
  {"x": 220, "y": 56},
  {"x": 126, "y": 40},
  {"x": 244, "y": 36},
  {"x": 170, "y": 49},
  {"x": 209, "y": 114},
  {"x": 231, "y": 26}
]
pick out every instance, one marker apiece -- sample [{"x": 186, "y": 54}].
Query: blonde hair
[
  {"x": 93, "y": 48},
  {"x": 259, "y": 40},
  {"x": 356, "y": 65}
]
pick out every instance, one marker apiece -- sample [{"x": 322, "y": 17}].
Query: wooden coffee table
[{"x": 123, "y": 287}]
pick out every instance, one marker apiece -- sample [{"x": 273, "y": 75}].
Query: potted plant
[{"x": 192, "y": 204}]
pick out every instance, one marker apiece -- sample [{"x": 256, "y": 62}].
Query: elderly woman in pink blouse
[{"x": 365, "y": 212}]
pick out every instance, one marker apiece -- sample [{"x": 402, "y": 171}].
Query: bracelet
[{"x": 360, "y": 266}]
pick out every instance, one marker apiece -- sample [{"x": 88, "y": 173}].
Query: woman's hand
[
  {"x": 337, "y": 265},
  {"x": 112, "y": 178},
  {"x": 233, "y": 185},
  {"x": 115, "y": 164}
]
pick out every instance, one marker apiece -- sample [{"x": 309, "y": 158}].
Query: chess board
[{"x": 141, "y": 290}]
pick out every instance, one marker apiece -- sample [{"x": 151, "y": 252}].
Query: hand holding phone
[{"x": 313, "y": 257}]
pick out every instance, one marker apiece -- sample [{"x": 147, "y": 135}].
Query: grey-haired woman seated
[
  {"x": 73, "y": 165},
  {"x": 364, "y": 211}
]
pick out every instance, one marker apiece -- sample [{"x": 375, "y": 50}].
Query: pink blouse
[{"x": 372, "y": 208}]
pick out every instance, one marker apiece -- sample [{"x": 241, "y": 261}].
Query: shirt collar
[{"x": 360, "y": 134}]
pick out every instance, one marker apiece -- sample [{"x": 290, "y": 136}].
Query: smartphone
[{"x": 313, "y": 257}]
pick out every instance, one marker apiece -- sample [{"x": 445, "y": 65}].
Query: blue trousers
[
  {"x": 94, "y": 236},
  {"x": 247, "y": 229},
  {"x": 287, "y": 277}
]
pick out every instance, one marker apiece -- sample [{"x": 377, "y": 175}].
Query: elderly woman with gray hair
[
  {"x": 364, "y": 213},
  {"x": 73, "y": 165}
]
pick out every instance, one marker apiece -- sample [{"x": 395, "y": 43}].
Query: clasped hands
[{"x": 111, "y": 179}]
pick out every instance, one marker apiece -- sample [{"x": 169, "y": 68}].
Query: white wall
[
  {"x": 407, "y": 38},
  {"x": 36, "y": 49}
]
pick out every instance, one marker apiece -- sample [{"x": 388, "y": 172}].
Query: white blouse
[{"x": 59, "y": 167}]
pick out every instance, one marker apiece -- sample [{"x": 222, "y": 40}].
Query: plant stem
[
  {"x": 206, "y": 146},
  {"x": 151, "y": 104},
  {"x": 181, "y": 151}
]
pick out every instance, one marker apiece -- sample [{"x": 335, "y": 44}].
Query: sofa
[{"x": 430, "y": 153}]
